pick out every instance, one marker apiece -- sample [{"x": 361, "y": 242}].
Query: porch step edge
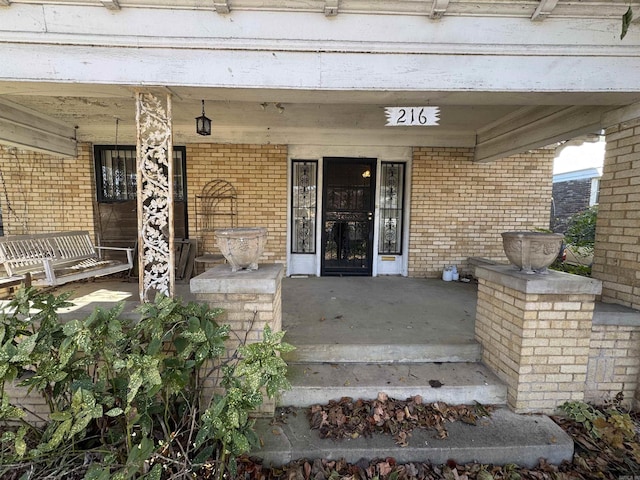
[
  {"x": 314, "y": 383},
  {"x": 385, "y": 353},
  {"x": 503, "y": 438}
]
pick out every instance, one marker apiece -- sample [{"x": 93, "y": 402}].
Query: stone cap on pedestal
[
  {"x": 550, "y": 283},
  {"x": 220, "y": 279}
]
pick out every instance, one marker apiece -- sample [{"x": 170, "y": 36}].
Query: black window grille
[{"x": 116, "y": 173}]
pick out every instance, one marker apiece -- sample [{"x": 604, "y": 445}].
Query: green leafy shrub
[
  {"x": 128, "y": 394},
  {"x": 581, "y": 230},
  {"x": 610, "y": 424},
  {"x": 583, "y": 413}
]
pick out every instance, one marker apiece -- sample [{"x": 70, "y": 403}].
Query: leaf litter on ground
[
  {"x": 594, "y": 458},
  {"x": 349, "y": 418}
]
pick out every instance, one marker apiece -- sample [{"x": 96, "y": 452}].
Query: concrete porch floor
[
  {"x": 334, "y": 310},
  {"x": 378, "y": 311}
]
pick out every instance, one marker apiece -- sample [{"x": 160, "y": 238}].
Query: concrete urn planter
[
  {"x": 241, "y": 247},
  {"x": 532, "y": 252}
]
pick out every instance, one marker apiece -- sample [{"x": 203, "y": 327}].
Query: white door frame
[{"x": 306, "y": 264}]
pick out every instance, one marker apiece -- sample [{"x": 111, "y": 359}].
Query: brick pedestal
[
  {"x": 251, "y": 300},
  {"x": 535, "y": 332}
]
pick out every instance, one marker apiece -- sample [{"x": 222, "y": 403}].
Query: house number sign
[{"x": 412, "y": 116}]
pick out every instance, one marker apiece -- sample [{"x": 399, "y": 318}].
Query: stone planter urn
[
  {"x": 532, "y": 252},
  {"x": 241, "y": 246}
]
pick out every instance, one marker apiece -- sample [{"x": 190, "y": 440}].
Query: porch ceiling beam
[
  {"x": 544, "y": 9},
  {"x": 438, "y": 9},
  {"x": 25, "y": 128},
  {"x": 221, "y": 6},
  {"x": 535, "y": 127},
  {"x": 620, "y": 115},
  {"x": 110, "y": 4},
  {"x": 331, "y": 8}
]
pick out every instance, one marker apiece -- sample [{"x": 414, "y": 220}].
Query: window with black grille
[{"x": 116, "y": 173}]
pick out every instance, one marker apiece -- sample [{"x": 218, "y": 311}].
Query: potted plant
[{"x": 532, "y": 251}]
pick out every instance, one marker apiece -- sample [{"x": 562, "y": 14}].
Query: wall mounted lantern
[{"x": 203, "y": 124}]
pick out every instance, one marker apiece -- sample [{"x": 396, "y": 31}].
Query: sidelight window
[
  {"x": 303, "y": 206},
  {"x": 391, "y": 207}
]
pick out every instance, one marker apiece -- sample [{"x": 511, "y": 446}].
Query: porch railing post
[{"x": 154, "y": 165}]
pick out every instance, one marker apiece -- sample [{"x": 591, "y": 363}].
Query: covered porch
[
  {"x": 329, "y": 311},
  {"x": 290, "y": 106}
]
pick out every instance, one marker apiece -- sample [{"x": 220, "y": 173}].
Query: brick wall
[
  {"x": 569, "y": 198},
  {"x": 538, "y": 344},
  {"x": 614, "y": 362},
  {"x": 617, "y": 250},
  {"x": 259, "y": 174},
  {"x": 40, "y": 193},
  {"x": 459, "y": 208},
  {"x": 248, "y": 310}
]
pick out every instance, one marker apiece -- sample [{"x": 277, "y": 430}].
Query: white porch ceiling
[
  {"x": 490, "y": 121},
  {"x": 508, "y": 75}
]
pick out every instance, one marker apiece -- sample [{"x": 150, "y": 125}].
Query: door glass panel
[
  {"x": 391, "y": 201},
  {"x": 303, "y": 206},
  {"x": 348, "y": 216}
]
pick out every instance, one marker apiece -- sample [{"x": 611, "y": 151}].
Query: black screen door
[{"x": 347, "y": 217}]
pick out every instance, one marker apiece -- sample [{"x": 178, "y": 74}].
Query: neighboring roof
[{"x": 585, "y": 174}]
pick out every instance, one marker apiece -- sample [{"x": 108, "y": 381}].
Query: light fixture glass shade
[{"x": 203, "y": 124}]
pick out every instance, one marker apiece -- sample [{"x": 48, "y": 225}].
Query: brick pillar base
[
  {"x": 251, "y": 300},
  {"x": 535, "y": 332}
]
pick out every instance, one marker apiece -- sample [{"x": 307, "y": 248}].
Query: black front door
[{"x": 347, "y": 217}]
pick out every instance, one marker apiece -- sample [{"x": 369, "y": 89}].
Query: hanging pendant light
[{"x": 203, "y": 124}]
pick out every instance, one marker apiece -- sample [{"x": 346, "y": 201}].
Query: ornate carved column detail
[{"x": 155, "y": 195}]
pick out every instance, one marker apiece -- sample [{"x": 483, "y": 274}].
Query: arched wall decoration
[{"x": 155, "y": 195}]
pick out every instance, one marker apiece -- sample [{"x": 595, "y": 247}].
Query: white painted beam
[
  {"x": 497, "y": 8},
  {"x": 221, "y": 6},
  {"x": 536, "y": 127},
  {"x": 110, "y": 4},
  {"x": 25, "y": 128},
  {"x": 137, "y": 27},
  {"x": 304, "y": 135},
  {"x": 317, "y": 70},
  {"x": 620, "y": 115},
  {"x": 438, "y": 9},
  {"x": 544, "y": 9},
  {"x": 331, "y": 8}
]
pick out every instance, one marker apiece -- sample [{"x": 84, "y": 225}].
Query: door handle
[{"x": 369, "y": 216}]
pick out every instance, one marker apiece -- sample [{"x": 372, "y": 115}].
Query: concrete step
[
  {"x": 385, "y": 353},
  {"x": 503, "y": 438},
  {"x": 460, "y": 383}
]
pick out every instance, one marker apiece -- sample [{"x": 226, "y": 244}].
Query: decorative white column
[{"x": 155, "y": 196}]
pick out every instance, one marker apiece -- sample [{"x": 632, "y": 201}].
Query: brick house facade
[{"x": 457, "y": 207}]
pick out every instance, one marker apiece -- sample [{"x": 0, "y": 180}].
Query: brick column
[
  {"x": 617, "y": 250},
  {"x": 251, "y": 300},
  {"x": 535, "y": 332}
]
